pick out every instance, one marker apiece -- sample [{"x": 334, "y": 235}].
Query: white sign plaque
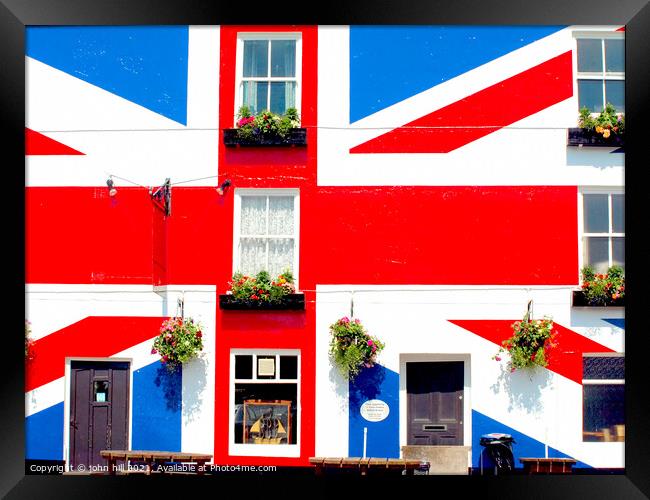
[{"x": 374, "y": 410}]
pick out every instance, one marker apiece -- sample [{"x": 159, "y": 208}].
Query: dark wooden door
[
  {"x": 435, "y": 403},
  {"x": 99, "y": 402}
]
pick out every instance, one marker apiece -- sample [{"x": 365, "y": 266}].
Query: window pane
[
  {"x": 590, "y": 55},
  {"x": 604, "y": 412},
  {"x": 615, "y": 55},
  {"x": 252, "y": 255},
  {"x": 590, "y": 95},
  {"x": 282, "y": 96},
  {"x": 281, "y": 215},
  {"x": 283, "y": 58},
  {"x": 596, "y": 213},
  {"x": 244, "y": 366},
  {"x": 289, "y": 367},
  {"x": 256, "y": 96},
  {"x": 253, "y": 215},
  {"x": 270, "y": 413},
  {"x": 100, "y": 391},
  {"x": 618, "y": 213},
  {"x": 256, "y": 58},
  {"x": 615, "y": 94},
  {"x": 597, "y": 253},
  {"x": 618, "y": 252},
  {"x": 603, "y": 367},
  {"x": 280, "y": 255}
]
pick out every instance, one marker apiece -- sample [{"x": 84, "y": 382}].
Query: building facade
[{"x": 433, "y": 197}]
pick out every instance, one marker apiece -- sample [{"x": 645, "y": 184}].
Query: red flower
[
  {"x": 254, "y": 297},
  {"x": 199, "y": 334}
]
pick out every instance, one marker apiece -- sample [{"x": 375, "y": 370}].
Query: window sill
[
  {"x": 293, "y": 301},
  {"x": 296, "y": 137},
  {"x": 581, "y": 137},
  {"x": 579, "y": 300}
]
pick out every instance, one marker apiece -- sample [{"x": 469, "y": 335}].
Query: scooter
[{"x": 499, "y": 449}]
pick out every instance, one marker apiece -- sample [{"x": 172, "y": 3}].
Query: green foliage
[
  {"x": 530, "y": 344},
  {"x": 603, "y": 289},
  {"x": 179, "y": 341},
  {"x": 261, "y": 287},
  {"x": 608, "y": 122},
  {"x": 352, "y": 348},
  {"x": 28, "y": 340},
  {"x": 265, "y": 123}
]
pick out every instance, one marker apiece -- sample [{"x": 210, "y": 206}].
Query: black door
[
  {"x": 435, "y": 403},
  {"x": 99, "y": 402}
]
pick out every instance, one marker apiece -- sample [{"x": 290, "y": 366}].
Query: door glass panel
[{"x": 100, "y": 391}]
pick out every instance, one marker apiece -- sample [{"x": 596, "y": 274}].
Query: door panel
[
  {"x": 435, "y": 403},
  {"x": 99, "y": 396}
]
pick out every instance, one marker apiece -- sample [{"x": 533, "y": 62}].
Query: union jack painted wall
[{"x": 437, "y": 196}]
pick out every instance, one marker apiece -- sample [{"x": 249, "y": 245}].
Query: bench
[
  {"x": 363, "y": 465},
  {"x": 548, "y": 465},
  {"x": 149, "y": 458}
]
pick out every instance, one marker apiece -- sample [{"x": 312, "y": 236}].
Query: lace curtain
[{"x": 267, "y": 234}]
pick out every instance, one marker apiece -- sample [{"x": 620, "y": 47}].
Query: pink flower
[
  {"x": 153, "y": 351},
  {"x": 369, "y": 342},
  {"x": 345, "y": 320},
  {"x": 357, "y": 321},
  {"x": 497, "y": 358},
  {"x": 165, "y": 358}
]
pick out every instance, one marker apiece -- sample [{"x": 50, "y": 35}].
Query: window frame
[
  {"x": 266, "y": 450},
  {"x": 609, "y": 190},
  {"x": 593, "y": 381},
  {"x": 239, "y": 64},
  {"x": 295, "y": 192},
  {"x": 604, "y": 75}
]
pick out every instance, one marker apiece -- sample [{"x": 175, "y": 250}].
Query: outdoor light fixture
[
  {"x": 224, "y": 186},
  {"x": 162, "y": 197},
  {"x": 112, "y": 191}
]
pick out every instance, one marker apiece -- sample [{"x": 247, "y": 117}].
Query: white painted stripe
[
  {"x": 52, "y": 393},
  {"x": 203, "y": 77}
]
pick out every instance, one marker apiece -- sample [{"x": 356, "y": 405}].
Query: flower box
[
  {"x": 579, "y": 300},
  {"x": 582, "y": 137},
  {"x": 292, "y": 301},
  {"x": 296, "y": 137}
]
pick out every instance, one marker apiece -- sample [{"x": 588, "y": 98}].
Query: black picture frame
[{"x": 635, "y": 14}]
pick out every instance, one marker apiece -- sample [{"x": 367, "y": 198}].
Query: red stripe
[
  {"x": 39, "y": 144},
  {"x": 565, "y": 359},
  {"x": 493, "y": 108},
  {"x": 95, "y": 336},
  {"x": 622, "y": 28}
]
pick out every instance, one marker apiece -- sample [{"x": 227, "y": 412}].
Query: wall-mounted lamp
[
  {"x": 162, "y": 197},
  {"x": 224, "y": 186},
  {"x": 112, "y": 191}
]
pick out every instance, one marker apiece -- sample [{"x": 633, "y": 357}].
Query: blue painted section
[
  {"x": 381, "y": 383},
  {"x": 44, "y": 434},
  {"x": 144, "y": 64},
  {"x": 618, "y": 322},
  {"x": 391, "y": 63},
  {"x": 524, "y": 446},
  {"x": 157, "y": 399}
]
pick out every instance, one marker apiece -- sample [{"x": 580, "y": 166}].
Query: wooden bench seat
[{"x": 365, "y": 465}]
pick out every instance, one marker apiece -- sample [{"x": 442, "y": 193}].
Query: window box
[
  {"x": 296, "y": 137},
  {"x": 292, "y": 301},
  {"x": 579, "y": 300},
  {"x": 582, "y": 137}
]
